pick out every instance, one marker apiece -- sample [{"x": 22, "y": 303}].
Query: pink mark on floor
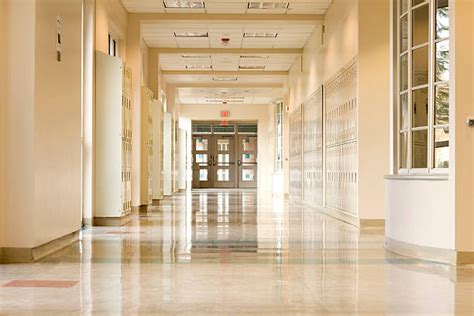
[{"x": 41, "y": 283}]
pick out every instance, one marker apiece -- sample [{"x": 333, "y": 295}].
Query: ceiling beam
[
  {"x": 228, "y": 18},
  {"x": 220, "y": 85},
  {"x": 267, "y": 51},
  {"x": 225, "y": 73}
]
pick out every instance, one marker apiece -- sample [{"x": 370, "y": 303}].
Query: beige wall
[
  {"x": 349, "y": 32},
  {"x": 462, "y": 140},
  {"x": 2, "y": 123},
  {"x": 244, "y": 112},
  {"x": 42, "y": 123},
  {"x": 137, "y": 60},
  {"x": 19, "y": 124},
  {"x": 374, "y": 105},
  {"x": 320, "y": 62},
  {"x": 57, "y": 123},
  {"x": 111, "y": 18}
]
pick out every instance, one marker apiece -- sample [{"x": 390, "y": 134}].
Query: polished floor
[{"x": 233, "y": 252}]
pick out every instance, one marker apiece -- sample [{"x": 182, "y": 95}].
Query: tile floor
[{"x": 232, "y": 252}]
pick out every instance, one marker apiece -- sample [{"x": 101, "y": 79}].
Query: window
[
  {"x": 279, "y": 137},
  {"x": 423, "y": 86},
  {"x": 112, "y": 49}
]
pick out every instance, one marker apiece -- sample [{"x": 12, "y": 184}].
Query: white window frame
[{"x": 431, "y": 86}]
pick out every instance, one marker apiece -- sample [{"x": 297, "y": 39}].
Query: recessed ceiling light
[
  {"x": 267, "y": 5},
  {"x": 260, "y": 34},
  {"x": 224, "y": 79},
  {"x": 253, "y": 56},
  {"x": 197, "y": 56},
  {"x": 191, "y": 34},
  {"x": 198, "y": 67},
  {"x": 253, "y": 67},
  {"x": 177, "y": 4}
]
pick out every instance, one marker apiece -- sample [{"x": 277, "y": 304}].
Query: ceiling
[
  {"x": 226, "y": 62},
  {"x": 243, "y": 48},
  {"x": 227, "y": 95},
  {"x": 294, "y": 35},
  {"x": 233, "y": 7}
]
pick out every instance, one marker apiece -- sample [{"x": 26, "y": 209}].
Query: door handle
[
  {"x": 209, "y": 163},
  {"x": 239, "y": 162}
]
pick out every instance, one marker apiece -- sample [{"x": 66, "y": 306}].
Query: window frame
[
  {"x": 432, "y": 86},
  {"x": 279, "y": 126}
]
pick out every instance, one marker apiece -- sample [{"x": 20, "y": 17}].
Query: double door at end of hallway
[{"x": 224, "y": 161}]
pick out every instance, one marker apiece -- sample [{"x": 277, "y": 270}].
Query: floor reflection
[{"x": 233, "y": 251}]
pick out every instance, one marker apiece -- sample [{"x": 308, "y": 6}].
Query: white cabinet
[
  {"x": 167, "y": 154},
  {"x": 113, "y": 139}
]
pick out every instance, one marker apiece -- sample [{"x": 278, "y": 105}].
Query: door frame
[{"x": 212, "y": 156}]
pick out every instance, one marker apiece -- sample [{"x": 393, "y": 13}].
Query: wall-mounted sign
[
  {"x": 225, "y": 113},
  {"x": 58, "y": 38}
]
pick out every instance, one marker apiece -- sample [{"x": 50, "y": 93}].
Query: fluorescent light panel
[
  {"x": 260, "y": 34},
  {"x": 224, "y": 79},
  {"x": 252, "y": 57},
  {"x": 262, "y": 5},
  {"x": 197, "y": 56},
  {"x": 191, "y": 34},
  {"x": 198, "y": 67},
  {"x": 177, "y": 4},
  {"x": 254, "y": 67}
]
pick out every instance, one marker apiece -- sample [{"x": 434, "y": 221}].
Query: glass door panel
[
  {"x": 202, "y": 162},
  {"x": 247, "y": 161},
  {"x": 224, "y": 162}
]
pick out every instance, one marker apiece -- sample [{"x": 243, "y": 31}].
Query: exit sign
[{"x": 225, "y": 113}]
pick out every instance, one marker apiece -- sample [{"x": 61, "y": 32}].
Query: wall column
[
  {"x": 462, "y": 136},
  {"x": 134, "y": 61},
  {"x": 88, "y": 110},
  {"x": 374, "y": 107}
]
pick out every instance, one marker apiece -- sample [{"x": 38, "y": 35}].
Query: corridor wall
[
  {"x": 41, "y": 148},
  {"x": 2, "y": 118},
  {"x": 323, "y": 148},
  {"x": 340, "y": 58}
]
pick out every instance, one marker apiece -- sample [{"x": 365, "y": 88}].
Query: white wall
[
  {"x": 245, "y": 112},
  {"x": 426, "y": 221}
]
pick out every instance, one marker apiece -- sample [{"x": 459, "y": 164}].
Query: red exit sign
[{"x": 225, "y": 113}]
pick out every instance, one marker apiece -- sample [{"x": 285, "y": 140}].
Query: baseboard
[
  {"x": 27, "y": 255},
  {"x": 440, "y": 255},
  {"x": 87, "y": 222},
  {"x": 112, "y": 221},
  {"x": 337, "y": 214},
  {"x": 372, "y": 224}
]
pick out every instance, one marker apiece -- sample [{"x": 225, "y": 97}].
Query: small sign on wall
[
  {"x": 58, "y": 38},
  {"x": 225, "y": 113}
]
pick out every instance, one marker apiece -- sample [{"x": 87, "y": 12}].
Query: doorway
[{"x": 224, "y": 156}]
